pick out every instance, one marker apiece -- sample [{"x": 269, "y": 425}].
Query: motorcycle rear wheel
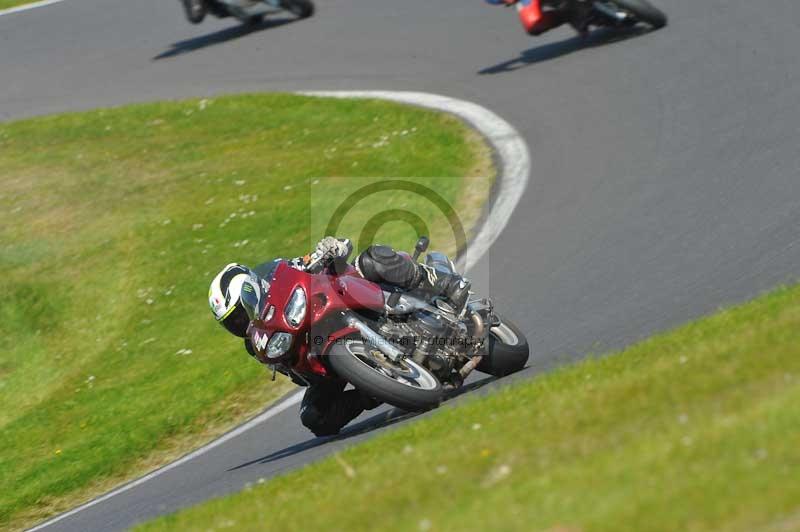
[
  {"x": 298, "y": 8},
  {"x": 644, "y": 11},
  {"x": 409, "y": 386}
]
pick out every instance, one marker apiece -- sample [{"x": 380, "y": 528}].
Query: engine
[{"x": 429, "y": 339}]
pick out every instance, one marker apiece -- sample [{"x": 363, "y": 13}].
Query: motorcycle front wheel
[
  {"x": 405, "y": 384},
  {"x": 644, "y": 11},
  {"x": 195, "y": 10},
  {"x": 298, "y": 8}
]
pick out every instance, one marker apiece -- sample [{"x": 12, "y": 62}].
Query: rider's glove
[{"x": 333, "y": 248}]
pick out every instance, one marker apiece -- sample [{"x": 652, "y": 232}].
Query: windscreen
[{"x": 254, "y": 295}]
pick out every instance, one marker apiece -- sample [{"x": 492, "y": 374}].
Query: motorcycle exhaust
[
  {"x": 480, "y": 326},
  {"x": 375, "y": 340},
  {"x": 470, "y": 366}
]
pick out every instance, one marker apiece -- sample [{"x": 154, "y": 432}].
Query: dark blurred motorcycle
[{"x": 250, "y": 12}]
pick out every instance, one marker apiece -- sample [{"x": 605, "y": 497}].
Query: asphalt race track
[{"x": 665, "y": 166}]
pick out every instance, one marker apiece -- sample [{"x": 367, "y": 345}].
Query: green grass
[
  {"x": 696, "y": 429},
  {"x": 114, "y": 223},
  {"x": 6, "y": 4}
]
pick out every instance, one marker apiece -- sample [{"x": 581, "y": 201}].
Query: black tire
[
  {"x": 195, "y": 10},
  {"x": 218, "y": 10},
  {"x": 644, "y": 11},
  {"x": 299, "y": 8},
  {"x": 382, "y": 387},
  {"x": 255, "y": 20},
  {"x": 508, "y": 350}
]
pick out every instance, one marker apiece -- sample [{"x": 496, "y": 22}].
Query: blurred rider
[{"x": 326, "y": 406}]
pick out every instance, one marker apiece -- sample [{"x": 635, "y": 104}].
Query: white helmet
[{"x": 234, "y": 295}]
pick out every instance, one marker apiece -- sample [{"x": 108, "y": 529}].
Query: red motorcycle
[
  {"x": 402, "y": 348},
  {"x": 540, "y": 16}
]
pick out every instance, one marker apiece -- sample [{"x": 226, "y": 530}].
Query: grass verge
[
  {"x": 8, "y": 4},
  {"x": 695, "y": 429},
  {"x": 114, "y": 223}
]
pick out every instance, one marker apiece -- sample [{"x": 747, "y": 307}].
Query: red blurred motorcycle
[
  {"x": 402, "y": 348},
  {"x": 540, "y": 16}
]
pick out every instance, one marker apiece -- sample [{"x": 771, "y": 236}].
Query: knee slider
[
  {"x": 317, "y": 422},
  {"x": 311, "y": 418}
]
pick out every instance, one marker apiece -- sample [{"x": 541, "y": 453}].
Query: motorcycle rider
[
  {"x": 326, "y": 406},
  {"x": 540, "y": 16}
]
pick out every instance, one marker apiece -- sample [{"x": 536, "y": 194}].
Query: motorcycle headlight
[
  {"x": 279, "y": 344},
  {"x": 296, "y": 309}
]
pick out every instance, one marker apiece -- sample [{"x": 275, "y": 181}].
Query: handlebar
[{"x": 313, "y": 260}]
